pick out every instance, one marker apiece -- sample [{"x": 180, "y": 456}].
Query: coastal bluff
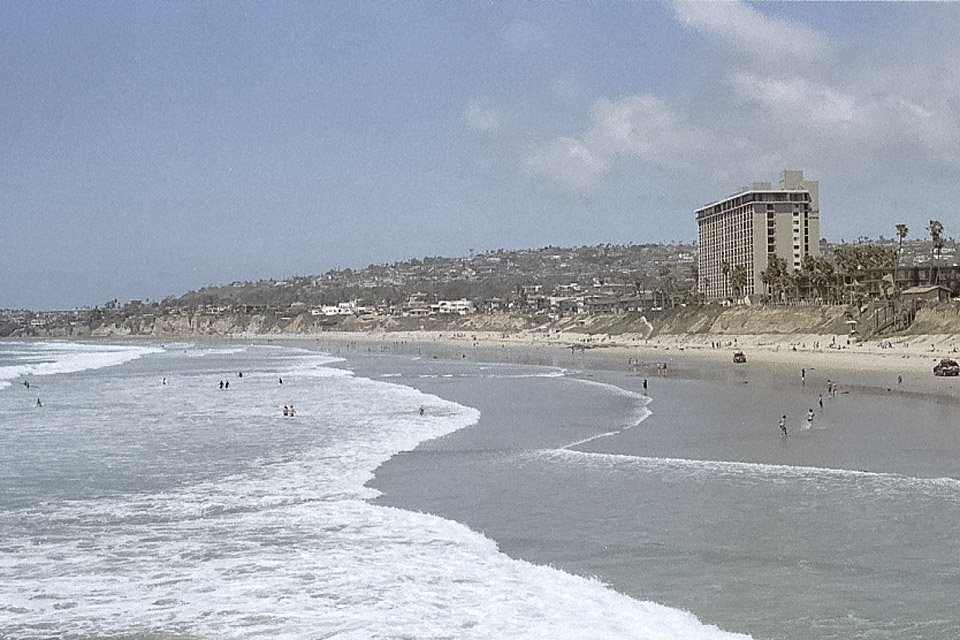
[{"x": 942, "y": 319}]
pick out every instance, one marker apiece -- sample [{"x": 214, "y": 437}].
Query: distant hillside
[{"x": 612, "y": 289}]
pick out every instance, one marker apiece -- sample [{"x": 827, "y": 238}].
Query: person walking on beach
[
  {"x": 39, "y": 404},
  {"x": 803, "y": 376},
  {"x": 783, "y": 425},
  {"x": 644, "y": 386},
  {"x": 809, "y": 418},
  {"x": 821, "y": 402},
  {"x": 286, "y": 411}
]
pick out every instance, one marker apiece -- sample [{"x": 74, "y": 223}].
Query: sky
[{"x": 148, "y": 149}]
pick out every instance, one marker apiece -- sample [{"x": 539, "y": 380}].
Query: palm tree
[
  {"x": 936, "y": 235},
  {"x": 725, "y": 269},
  {"x": 774, "y": 276},
  {"x": 738, "y": 278},
  {"x": 902, "y": 231}
]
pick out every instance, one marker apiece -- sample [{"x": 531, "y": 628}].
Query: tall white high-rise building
[{"x": 753, "y": 224}]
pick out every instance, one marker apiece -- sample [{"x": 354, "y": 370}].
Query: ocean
[{"x": 142, "y": 500}]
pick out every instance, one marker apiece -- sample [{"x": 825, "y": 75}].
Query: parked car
[
  {"x": 946, "y": 367},
  {"x": 739, "y": 358}
]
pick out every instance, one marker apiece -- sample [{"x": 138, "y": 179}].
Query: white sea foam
[
  {"x": 291, "y": 547},
  {"x": 891, "y": 484},
  {"x": 641, "y": 414},
  {"x": 49, "y": 358}
]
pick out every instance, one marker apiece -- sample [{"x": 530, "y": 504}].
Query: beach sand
[{"x": 905, "y": 366}]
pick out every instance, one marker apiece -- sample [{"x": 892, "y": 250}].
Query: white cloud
[
  {"x": 797, "y": 100},
  {"x": 766, "y": 41},
  {"x": 568, "y": 161},
  {"x": 482, "y": 118},
  {"x": 641, "y": 126},
  {"x": 768, "y": 94}
]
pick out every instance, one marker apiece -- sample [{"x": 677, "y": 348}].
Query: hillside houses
[{"x": 552, "y": 282}]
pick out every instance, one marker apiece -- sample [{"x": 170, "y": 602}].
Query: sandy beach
[{"x": 898, "y": 364}]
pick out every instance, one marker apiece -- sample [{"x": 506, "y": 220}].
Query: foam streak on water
[
  {"x": 22, "y": 360},
  {"x": 131, "y": 507}
]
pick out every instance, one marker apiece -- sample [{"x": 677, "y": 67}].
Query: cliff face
[
  {"x": 941, "y": 319},
  {"x": 267, "y": 324},
  {"x": 710, "y": 319},
  {"x": 206, "y": 325},
  {"x": 763, "y": 320},
  {"x": 715, "y": 319}
]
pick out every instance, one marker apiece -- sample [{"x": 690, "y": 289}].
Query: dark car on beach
[
  {"x": 946, "y": 367},
  {"x": 739, "y": 358}
]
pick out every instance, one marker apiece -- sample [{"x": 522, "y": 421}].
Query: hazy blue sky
[{"x": 149, "y": 148}]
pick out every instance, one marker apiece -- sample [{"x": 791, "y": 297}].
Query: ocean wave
[
  {"x": 292, "y": 547},
  {"x": 891, "y": 484},
  {"x": 50, "y": 358}
]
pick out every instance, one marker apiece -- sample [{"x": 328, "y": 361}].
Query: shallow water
[
  {"x": 141, "y": 500},
  {"x": 843, "y": 530}
]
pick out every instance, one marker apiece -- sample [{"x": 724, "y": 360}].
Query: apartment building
[{"x": 746, "y": 228}]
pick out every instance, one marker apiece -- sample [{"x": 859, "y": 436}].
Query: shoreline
[{"x": 905, "y": 367}]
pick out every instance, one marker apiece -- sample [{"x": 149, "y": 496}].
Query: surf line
[
  {"x": 943, "y": 487},
  {"x": 643, "y": 414},
  {"x": 570, "y": 446}
]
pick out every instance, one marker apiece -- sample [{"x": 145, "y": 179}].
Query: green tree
[
  {"x": 936, "y": 235},
  {"x": 725, "y": 269},
  {"x": 818, "y": 274},
  {"x": 775, "y": 276},
  {"x": 738, "y": 279},
  {"x": 902, "y": 231}
]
